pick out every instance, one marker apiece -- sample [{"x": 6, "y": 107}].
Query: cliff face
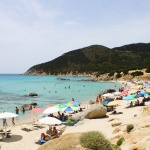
[{"x": 96, "y": 58}]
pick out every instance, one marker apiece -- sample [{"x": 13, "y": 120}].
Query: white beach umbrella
[
  {"x": 132, "y": 91},
  {"x": 108, "y": 95},
  {"x": 50, "y": 110},
  {"x": 50, "y": 121},
  {"x": 117, "y": 93},
  {"x": 7, "y": 115}
]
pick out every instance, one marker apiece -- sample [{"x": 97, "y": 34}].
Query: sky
[{"x": 37, "y": 31}]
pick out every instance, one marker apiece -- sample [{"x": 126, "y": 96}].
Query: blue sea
[{"x": 14, "y": 90}]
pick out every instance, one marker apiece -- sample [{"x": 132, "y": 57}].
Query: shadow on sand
[{"x": 13, "y": 138}]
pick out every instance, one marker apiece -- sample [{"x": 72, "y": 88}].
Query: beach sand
[{"x": 25, "y": 140}]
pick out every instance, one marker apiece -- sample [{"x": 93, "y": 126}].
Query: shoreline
[
  {"x": 28, "y": 138},
  {"x": 27, "y": 117}
]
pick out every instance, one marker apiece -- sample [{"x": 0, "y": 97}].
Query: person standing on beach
[
  {"x": 4, "y": 122},
  {"x": 13, "y": 123},
  {"x": 23, "y": 110},
  {"x": 97, "y": 100},
  {"x": 17, "y": 110}
]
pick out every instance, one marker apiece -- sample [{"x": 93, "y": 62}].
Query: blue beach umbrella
[
  {"x": 107, "y": 100},
  {"x": 76, "y": 104},
  {"x": 128, "y": 98},
  {"x": 139, "y": 95},
  {"x": 143, "y": 92},
  {"x": 70, "y": 109}
]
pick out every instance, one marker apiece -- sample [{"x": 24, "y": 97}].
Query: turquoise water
[{"x": 15, "y": 88}]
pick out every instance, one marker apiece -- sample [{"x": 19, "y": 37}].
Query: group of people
[
  {"x": 61, "y": 117},
  {"x": 137, "y": 103},
  {"x": 99, "y": 99},
  {"x": 5, "y": 122},
  {"x": 53, "y": 133}
]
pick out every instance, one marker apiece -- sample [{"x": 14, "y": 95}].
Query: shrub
[
  {"x": 137, "y": 73},
  {"x": 118, "y": 75},
  {"x": 120, "y": 141},
  {"x": 125, "y": 72},
  {"x": 111, "y": 74},
  {"x": 115, "y": 147},
  {"x": 130, "y": 127},
  {"x": 95, "y": 140},
  {"x": 148, "y": 70},
  {"x": 68, "y": 121}
]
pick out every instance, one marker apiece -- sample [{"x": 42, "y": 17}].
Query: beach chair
[
  {"x": 37, "y": 124},
  {"x": 27, "y": 127},
  {"x": 61, "y": 131}
]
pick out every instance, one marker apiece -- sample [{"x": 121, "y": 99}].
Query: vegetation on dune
[
  {"x": 137, "y": 73},
  {"x": 130, "y": 127},
  {"x": 120, "y": 141},
  {"x": 97, "y": 58},
  {"x": 95, "y": 140}
]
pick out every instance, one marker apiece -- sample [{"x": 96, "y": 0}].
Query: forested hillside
[{"x": 97, "y": 58}]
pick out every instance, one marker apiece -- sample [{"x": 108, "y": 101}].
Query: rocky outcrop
[
  {"x": 33, "y": 104},
  {"x": 33, "y": 94},
  {"x": 109, "y": 91},
  {"x": 63, "y": 79},
  {"x": 91, "y": 102},
  {"x": 26, "y": 106},
  {"x": 96, "y": 111}
]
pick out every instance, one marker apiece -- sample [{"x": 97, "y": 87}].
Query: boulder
[
  {"x": 78, "y": 116},
  {"x": 33, "y": 94},
  {"x": 95, "y": 111},
  {"x": 91, "y": 102},
  {"x": 108, "y": 91},
  {"x": 33, "y": 104},
  {"x": 26, "y": 106}
]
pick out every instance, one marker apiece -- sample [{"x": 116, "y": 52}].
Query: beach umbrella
[
  {"x": 128, "y": 98},
  {"x": 50, "y": 105},
  {"x": 76, "y": 104},
  {"x": 114, "y": 103},
  {"x": 69, "y": 104},
  {"x": 50, "y": 110},
  {"x": 36, "y": 110},
  {"x": 117, "y": 93},
  {"x": 107, "y": 100},
  {"x": 50, "y": 121},
  {"x": 147, "y": 85},
  {"x": 59, "y": 106},
  {"x": 105, "y": 103},
  {"x": 70, "y": 109},
  {"x": 7, "y": 115},
  {"x": 132, "y": 91},
  {"x": 139, "y": 95},
  {"x": 108, "y": 95},
  {"x": 143, "y": 92}
]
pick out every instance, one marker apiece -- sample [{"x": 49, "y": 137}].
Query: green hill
[{"x": 97, "y": 58}]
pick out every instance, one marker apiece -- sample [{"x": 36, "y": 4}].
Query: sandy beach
[{"x": 21, "y": 139}]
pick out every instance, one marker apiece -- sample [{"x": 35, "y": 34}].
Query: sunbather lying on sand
[
  {"x": 45, "y": 137},
  {"x": 115, "y": 112}
]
